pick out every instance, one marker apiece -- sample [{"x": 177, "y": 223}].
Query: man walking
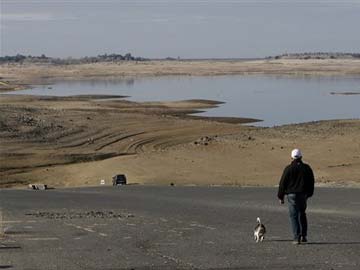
[{"x": 297, "y": 182}]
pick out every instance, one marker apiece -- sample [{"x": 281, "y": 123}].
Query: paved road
[{"x": 149, "y": 227}]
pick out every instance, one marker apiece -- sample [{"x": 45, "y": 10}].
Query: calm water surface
[{"x": 277, "y": 100}]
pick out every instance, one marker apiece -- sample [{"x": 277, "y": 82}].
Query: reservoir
[{"x": 277, "y": 100}]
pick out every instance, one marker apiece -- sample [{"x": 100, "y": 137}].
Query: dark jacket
[{"x": 297, "y": 177}]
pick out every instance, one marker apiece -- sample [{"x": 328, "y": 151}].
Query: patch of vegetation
[
  {"x": 19, "y": 58},
  {"x": 316, "y": 55}
]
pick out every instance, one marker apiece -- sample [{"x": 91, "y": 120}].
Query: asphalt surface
[{"x": 150, "y": 227}]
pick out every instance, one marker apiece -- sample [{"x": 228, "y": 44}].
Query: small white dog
[{"x": 259, "y": 231}]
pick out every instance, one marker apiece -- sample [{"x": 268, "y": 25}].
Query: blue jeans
[{"x": 297, "y": 207}]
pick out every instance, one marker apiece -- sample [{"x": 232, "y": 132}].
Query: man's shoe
[
  {"x": 303, "y": 239},
  {"x": 296, "y": 241}
]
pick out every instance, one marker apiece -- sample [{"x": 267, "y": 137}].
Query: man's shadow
[
  {"x": 317, "y": 242},
  {"x": 333, "y": 243}
]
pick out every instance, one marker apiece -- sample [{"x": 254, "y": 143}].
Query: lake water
[{"x": 277, "y": 100}]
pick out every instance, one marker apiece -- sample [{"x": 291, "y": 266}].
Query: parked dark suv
[{"x": 119, "y": 179}]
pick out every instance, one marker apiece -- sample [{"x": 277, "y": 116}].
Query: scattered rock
[{"x": 205, "y": 140}]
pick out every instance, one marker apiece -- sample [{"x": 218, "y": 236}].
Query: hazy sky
[{"x": 189, "y": 29}]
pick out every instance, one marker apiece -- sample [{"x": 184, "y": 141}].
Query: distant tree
[{"x": 128, "y": 57}]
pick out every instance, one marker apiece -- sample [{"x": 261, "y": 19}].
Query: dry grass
[{"x": 32, "y": 73}]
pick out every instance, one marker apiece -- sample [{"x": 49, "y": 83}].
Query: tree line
[
  {"x": 19, "y": 58},
  {"x": 316, "y": 55}
]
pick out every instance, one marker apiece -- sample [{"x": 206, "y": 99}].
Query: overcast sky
[{"x": 189, "y": 29}]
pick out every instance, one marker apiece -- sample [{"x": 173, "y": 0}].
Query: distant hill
[
  {"x": 316, "y": 55},
  {"x": 19, "y": 58},
  {"x": 113, "y": 58}
]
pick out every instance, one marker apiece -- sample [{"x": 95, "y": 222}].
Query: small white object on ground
[{"x": 38, "y": 186}]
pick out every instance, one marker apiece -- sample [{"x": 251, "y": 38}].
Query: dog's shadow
[
  {"x": 317, "y": 242},
  {"x": 278, "y": 240}
]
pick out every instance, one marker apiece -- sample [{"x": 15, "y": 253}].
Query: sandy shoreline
[
  {"x": 19, "y": 76},
  {"x": 79, "y": 140}
]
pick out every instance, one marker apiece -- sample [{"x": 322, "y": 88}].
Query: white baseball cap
[{"x": 296, "y": 153}]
